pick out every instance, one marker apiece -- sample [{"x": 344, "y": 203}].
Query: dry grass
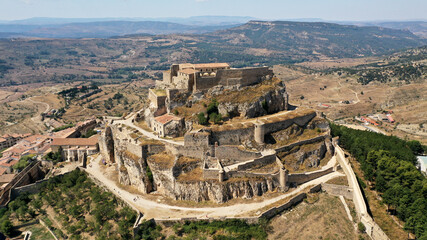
[
  {"x": 248, "y": 94},
  {"x": 163, "y": 160},
  {"x": 159, "y": 92},
  {"x": 142, "y": 124},
  {"x": 131, "y": 156},
  {"x": 195, "y": 175},
  {"x": 323, "y": 219},
  {"x": 186, "y": 160},
  {"x": 342, "y": 180}
]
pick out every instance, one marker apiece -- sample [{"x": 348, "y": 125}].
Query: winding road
[{"x": 158, "y": 210}]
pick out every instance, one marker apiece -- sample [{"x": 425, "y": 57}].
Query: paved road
[{"x": 159, "y": 210}]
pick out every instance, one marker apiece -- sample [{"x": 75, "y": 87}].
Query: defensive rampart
[
  {"x": 28, "y": 175},
  {"x": 372, "y": 229}
]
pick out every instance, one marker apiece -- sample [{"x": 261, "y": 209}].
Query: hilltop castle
[{"x": 199, "y": 77}]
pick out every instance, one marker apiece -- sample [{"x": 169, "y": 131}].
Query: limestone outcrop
[{"x": 270, "y": 102}]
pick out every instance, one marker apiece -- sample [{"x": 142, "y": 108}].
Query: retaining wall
[
  {"x": 270, "y": 213},
  {"x": 338, "y": 190},
  {"x": 300, "y": 178},
  {"x": 264, "y": 160},
  {"x": 233, "y": 152},
  {"x": 372, "y": 229},
  {"x": 303, "y": 142}
]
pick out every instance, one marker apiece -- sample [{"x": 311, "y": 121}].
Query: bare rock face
[
  {"x": 221, "y": 192},
  {"x": 312, "y": 158},
  {"x": 106, "y": 145},
  {"x": 133, "y": 170},
  {"x": 273, "y": 101}
]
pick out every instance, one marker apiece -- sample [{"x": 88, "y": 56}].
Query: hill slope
[
  {"x": 312, "y": 40},
  {"x": 103, "y": 29}
]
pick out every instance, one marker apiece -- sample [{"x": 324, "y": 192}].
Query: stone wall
[
  {"x": 270, "y": 213},
  {"x": 243, "y": 76},
  {"x": 338, "y": 190},
  {"x": 28, "y": 175},
  {"x": 228, "y": 77},
  {"x": 233, "y": 152},
  {"x": 210, "y": 174},
  {"x": 280, "y": 125},
  {"x": 233, "y": 136},
  {"x": 157, "y": 101},
  {"x": 199, "y": 138},
  {"x": 372, "y": 229},
  {"x": 303, "y": 142},
  {"x": 300, "y": 178},
  {"x": 264, "y": 160}
]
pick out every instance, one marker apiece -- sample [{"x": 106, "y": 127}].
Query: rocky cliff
[{"x": 271, "y": 101}]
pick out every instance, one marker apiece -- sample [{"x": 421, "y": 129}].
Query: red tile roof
[
  {"x": 75, "y": 141},
  {"x": 166, "y": 118},
  {"x": 211, "y": 65},
  {"x": 188, "y": 71},
  {"x": 9, "y": 163}
]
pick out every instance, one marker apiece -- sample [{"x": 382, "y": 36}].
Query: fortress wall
[
  {"x": 280, "y": 125},
  {"x": 265, "y": 160},
  {"x": 303, "y": 142},
  {"x": 300, "y": 178},
  {"x": 30, "y": 188},
  {"x": 205, "y": 82},
  {"x": 193, "y": 151},
  {"x": 210, "y": 174},
  {"x": 233, "y": 136},
  {"x": 167, "y": 76},
  {"x": 196, "y": 139},
  {"x": 133, "y": 148},
  {"x": 233, "y": 152},
  {"x": 158, "y": 101},
  {"x": 243, "y": 76},
  {"x": 338, "y": 190},
  {"x": 372, "y": 228},
  {"x": 28, "y": 175},
  {"x": 240, "y": 174},
  {"x": 154, "y": 148},
  {"x": 267, "y": 214},
  {"x": 274, "y": 211}
]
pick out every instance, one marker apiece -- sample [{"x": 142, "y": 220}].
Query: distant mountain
[
  {"x": 104, "y": 29},
  {"x": 417, "y": 27},
  {"x": 300, "y": 40},
  {"x": 195, "y": 20}
]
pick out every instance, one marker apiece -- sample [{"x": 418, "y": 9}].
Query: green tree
[
  {"x": 202, "y": 119},
  {"x": 6, "y": 227}
]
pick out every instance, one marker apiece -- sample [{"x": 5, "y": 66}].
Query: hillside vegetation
[
  {"x": 406, "y": 66},
  {"x": 73, "y": 207},
  {"x": 389, "y": 163}
]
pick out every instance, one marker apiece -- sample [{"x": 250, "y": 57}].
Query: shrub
[
  {"x": 202, "y": 119},
  {"x": 361, "y": 227}
]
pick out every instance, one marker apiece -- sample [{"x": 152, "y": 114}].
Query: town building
[
  {"x": 167, "y": 125},
  {"x": 7, "y": 141},
  {"x": 75, "y": 149}
]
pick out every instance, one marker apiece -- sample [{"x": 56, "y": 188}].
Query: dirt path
[
  {"x": 45, "y": 111},
  {"x": 153, "y": 209},
  {"x": 129, "y": 123}
]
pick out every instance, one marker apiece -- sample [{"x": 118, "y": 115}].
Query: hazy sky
[{"x": 265, "y": 9}]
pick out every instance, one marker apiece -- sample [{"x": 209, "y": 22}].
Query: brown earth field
[
  {"x": 407, "y": 101},
  {"x": 21, "y": 106},
  {"x": 322, "y": 217}
]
